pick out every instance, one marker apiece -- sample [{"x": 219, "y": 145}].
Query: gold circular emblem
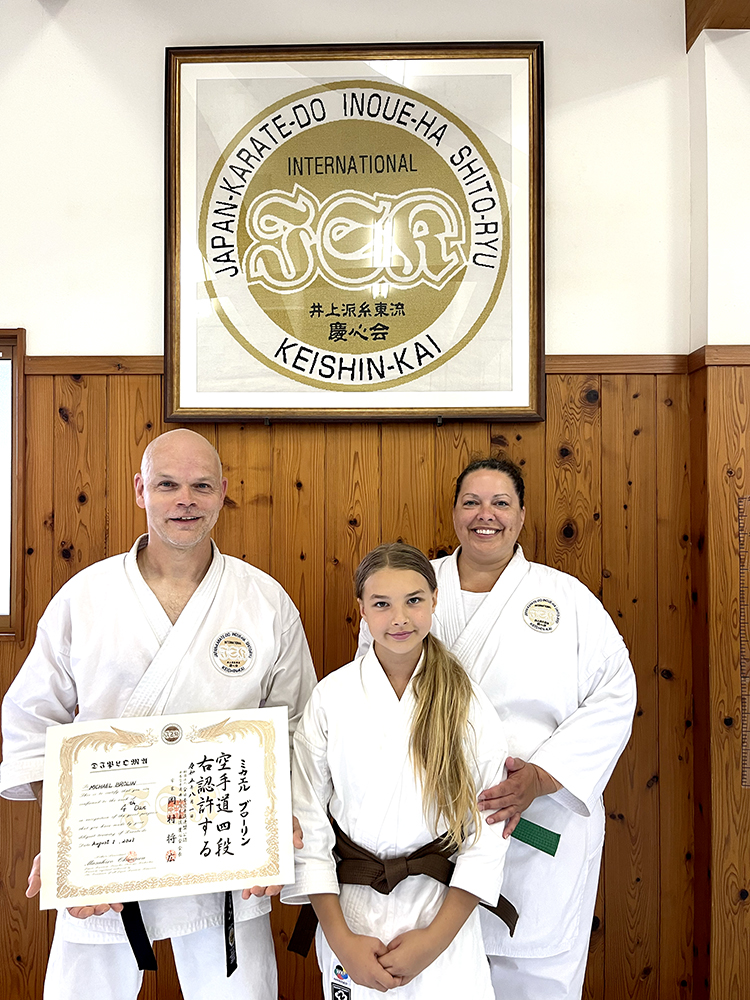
[
  {"x": 354, "y": 235},
  {"x": 232, "y": 653},
  {"x": 542, "y": 615}
]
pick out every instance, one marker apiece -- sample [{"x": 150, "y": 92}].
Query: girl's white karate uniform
[
  {"x": 106, "y": 646},
  {"x": 551, "y": 661},
  {"x": 351, "y": 757}
]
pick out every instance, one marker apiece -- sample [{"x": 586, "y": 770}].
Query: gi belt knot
[{"x": 395, "y": 870}]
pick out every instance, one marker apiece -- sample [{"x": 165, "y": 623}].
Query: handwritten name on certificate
[{"x": 143, "y": 808}]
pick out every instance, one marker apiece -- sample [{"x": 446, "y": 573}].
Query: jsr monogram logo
[{"x": 354, "y": 239}]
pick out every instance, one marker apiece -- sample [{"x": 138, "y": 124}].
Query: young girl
[{"x": 395, "y": 747}]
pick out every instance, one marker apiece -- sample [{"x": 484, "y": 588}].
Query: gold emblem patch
[
  {"x": 542, "y": 614},
  {"x": 354, "y": 236},
  {"x": 232, "y": 653}
]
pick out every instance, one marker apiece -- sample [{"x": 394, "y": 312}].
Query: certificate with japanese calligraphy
[{"x": 143, "y": 808}]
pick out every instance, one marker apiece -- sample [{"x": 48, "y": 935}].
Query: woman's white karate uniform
[{"x": 351, "y": 757}]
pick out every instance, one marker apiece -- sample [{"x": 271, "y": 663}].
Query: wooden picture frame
[{"x": 354, "y": 232}]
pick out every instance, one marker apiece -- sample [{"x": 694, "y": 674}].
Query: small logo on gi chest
[
  {"x": 542, "y": 614},
  {"x": 232, "y": 653},
  {"x": 339, "y": 992},
  {"x": 341, "y": 974}
]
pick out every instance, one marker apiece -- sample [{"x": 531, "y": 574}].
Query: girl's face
[{"x": 397, "y": 605}]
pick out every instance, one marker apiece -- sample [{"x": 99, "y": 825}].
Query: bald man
[{"x": 137, "y": 634}]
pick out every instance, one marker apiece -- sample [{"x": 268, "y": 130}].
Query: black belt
[
  {"x": 358, "y": 866},
  {"x": 132, "y": 921}
]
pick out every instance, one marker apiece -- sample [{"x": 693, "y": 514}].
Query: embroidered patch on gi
[
  {"x": 542, "y": 614},
  {"x": 339, "y": 992},
  {"x": 232, "y": 653},
  {"x": 341, "y": 974}
]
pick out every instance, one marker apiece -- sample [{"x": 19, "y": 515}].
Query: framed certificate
[
  {"x": 143, "y": 808},
  {"x": 354, "y": 232}
]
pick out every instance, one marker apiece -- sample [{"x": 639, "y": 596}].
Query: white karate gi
[
  {"x": 351, "y": 756},
  {"x": 559, "y": 676},
  {"x": 106, "y": 645}
]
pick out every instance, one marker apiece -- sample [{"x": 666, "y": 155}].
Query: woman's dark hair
[{"x": 504, "y": 465}]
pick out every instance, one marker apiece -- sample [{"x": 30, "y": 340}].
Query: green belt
[{"x": 536, "y": 836}]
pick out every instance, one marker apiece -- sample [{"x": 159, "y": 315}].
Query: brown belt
[{"x": 358, "y": 866}]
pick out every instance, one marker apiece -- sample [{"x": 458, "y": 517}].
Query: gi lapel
[
  {"x": 465, "y": 639},
  {"x": 152, "y": 691}
]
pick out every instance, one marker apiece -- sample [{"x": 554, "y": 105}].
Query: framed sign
[{"x": 354, "y": 232}]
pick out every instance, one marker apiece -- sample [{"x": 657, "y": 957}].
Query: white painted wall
[
  {"x": 719, "y": 67},
  {"x": 81, "y": 155}
]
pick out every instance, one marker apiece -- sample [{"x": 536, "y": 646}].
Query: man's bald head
[{"x": 183, "y": 440}]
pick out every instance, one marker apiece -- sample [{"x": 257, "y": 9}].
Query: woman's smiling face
[{"x": 488, "y": 518}]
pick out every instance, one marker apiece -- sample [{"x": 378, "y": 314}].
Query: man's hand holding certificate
[{"x": 157, "y": 806}]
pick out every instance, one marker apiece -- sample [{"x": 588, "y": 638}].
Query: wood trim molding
[
  {"x": 616, "y": 364},
  {"x": 64, "y": 364},
  {"x": 734, "y": 355},
  {"x": 555, "y": 364}
]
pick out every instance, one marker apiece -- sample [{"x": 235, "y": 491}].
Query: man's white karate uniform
[
  {"x": 351, "y": 757},
  {"x": 106, "y": 645},
  {"x": 551, "y": 661}
]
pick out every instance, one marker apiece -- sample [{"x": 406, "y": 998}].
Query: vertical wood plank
[
  {"x": 573, "y": 515},
  {"x": 135, "y": 406},
  {"x": 352, "y": 529},
  {"x": 298, "y": 524},
  {"x": 298, "y": 563},
  {"x": 524, "y": 444},
  {"x": 574, "y": 544},
  {"x": 629, "y": 593},
  {"x": 675, "y": 689},
  {"x": 80, "y": 473},
  {"x": 26, "y": 929},
  {"x": 729, "y": 452},
  {"x": 702, "y": 812},
  {"x": 456, "y": 444},
  {"x": 408, "y": 485},
  {"x": 244, "y": 526}
]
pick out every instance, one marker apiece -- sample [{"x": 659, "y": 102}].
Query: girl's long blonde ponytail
[{"x": 440, "y": 732}]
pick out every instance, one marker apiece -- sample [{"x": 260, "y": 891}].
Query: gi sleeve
[
  {"x": 43, "y": 694},
  {"x": 312, "y": 789},
  {"x": 292, "y": 677},
  {"x": 582, "y": 752},
  {"x": 480, "y": 863}
]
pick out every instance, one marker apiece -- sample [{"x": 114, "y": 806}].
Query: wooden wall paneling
[
  {"x": 244, "y": 526},
  {"x": 573, "y": 514},
  {"x": 352, "y": 529},
  {"x": 524, "y": 443},
  {"x": 675, "y": 674},
  {"x": 408, "y": 485},
  {"x": 80, "y": 473},
  {"x": 728, "y": 479},
  {"x": 134, "y": 420},
  {"x": 456, "y": 444},
  {"x": 298, "y": 523},
  {"x": 572, "y": 523},
  {"x": 27, "y": 930},
  {"x": 298, "y": 563},
  {"x": 698, "y": 390},
  {"x": 629, "y": 594}
]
